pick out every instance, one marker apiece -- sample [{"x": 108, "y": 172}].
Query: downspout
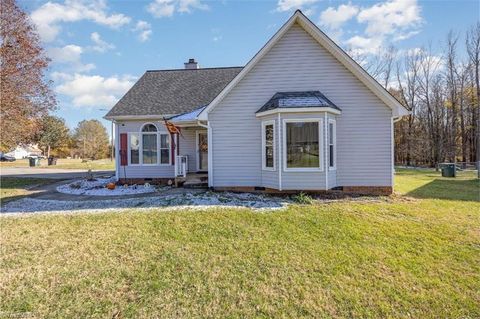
[
  {"x": 392, "y": 150},
  {"x": 325, "y": 139},
  {"x": 210, "y": 155},
  {"x": 280, "y": 155},
  {"x": 117, "y": 166}
]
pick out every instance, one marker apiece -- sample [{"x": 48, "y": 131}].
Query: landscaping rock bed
[{"x": 98, "y": 187}]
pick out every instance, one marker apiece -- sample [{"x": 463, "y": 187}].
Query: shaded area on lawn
[
  {"x": 12, "y": 188},
  {"x": 468, "y": 190},
  {"x": 426, "y": 183}
]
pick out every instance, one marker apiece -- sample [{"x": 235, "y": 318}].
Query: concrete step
[{"x": 195, "y": 185}]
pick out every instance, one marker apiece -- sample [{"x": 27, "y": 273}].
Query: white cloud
[
  {"x": 100, "y": 44},
  {"x": 144, "y": 30},
  {"x": 334, "y": 18},
  {"x": 362, "y": 45},
  {"x": 389, "y": 16},
  {"x": 217, "y": 38},
  {"x": 48, "y": 17},
  {"x": 94, "y": 90},
  {"x": 70, "y": 54},
  {"x": 389, "y": 21},
  {"x": 167, "y": 8},
  {"x": 404, "y": 36},
  {"x": 287, "y": 5}
]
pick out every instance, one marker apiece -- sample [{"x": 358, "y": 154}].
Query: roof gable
[{"x": 299, "y": 18}]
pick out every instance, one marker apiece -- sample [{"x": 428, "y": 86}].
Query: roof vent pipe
[{"x": 191, "y": 64}]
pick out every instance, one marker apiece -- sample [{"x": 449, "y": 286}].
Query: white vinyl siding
[{"x": 298, "y": 63}]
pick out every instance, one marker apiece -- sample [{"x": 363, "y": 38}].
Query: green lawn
[
  {"x": 64, "y": 163},
  {"x": 13, "y": 188},
  {"x": 415, "y": 256}
]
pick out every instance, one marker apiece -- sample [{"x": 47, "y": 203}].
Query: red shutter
[
  {"x": 172, "y": 148},
  {"x": 123, "y": 149}
]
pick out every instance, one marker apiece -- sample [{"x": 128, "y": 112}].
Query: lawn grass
[
  {"x": 64, "y": 163},
  {"x": 13, "y": 188},
  {"x": 400, "y": 257}
]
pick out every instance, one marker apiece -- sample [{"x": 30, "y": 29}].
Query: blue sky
[{"x": 99, "y": 48}]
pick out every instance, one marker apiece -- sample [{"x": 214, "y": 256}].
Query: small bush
[{"x": 303, "y": 198}]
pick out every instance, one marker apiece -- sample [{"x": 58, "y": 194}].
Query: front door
[{"x": 202, "y": 151}]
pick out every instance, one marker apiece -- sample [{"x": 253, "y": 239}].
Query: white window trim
[
  {"x": 264, "y": 164},
  {"x": 159, "y": 153},
  {"x": 320, "y": 146},
  {"x": 140, "y": 148},
  {"x": 334, "y": 122}
]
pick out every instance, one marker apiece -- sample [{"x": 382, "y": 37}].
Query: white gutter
[
  {"x": 203, "y": 125},
  {"x": 138, "y": 117}
]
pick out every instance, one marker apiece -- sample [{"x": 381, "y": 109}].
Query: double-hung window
[
  {"x": 332, "y": 152},
  {"x": 164, "y": 149},
  {"x": 268, "y": 145},
  {"x": 149, "y": 144},
  {"x": 302, "y": 145}
]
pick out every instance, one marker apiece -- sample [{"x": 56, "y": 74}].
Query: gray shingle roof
[
  {"x": 173, "y": 91},
  {"x": 297, "y": 100}
]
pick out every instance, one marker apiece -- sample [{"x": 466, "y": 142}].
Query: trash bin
[
  {"x": 448, "y": 170},
  {"x": 34, "y": 161},
  {"x": 52, "y": 161}
]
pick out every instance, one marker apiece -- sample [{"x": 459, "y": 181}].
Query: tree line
[
  {"x": 442, "y": 92},
  {"x": 89, "y": 139}
]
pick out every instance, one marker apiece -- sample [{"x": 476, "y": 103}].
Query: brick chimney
[{"x": 191, "y": 64}]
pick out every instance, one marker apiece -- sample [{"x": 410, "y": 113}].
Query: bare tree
[
  {"x": 407, "y": 79},
  {"x": 473, "y": 49}
]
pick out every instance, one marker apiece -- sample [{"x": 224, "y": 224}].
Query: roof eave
[{"x": 136, "y": 117}]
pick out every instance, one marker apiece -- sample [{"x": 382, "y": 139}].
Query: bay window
[
  {"x": 303, "y": 145},
  {"x": 268, "y": 145}
]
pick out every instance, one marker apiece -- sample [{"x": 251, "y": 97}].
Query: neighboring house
[
  {"x": 300, "y": 116},
  {"x": 22, "y": 151}
]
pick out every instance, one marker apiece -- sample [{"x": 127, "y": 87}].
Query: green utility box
[
  {"x": 448, "y": 170},
  {"x": 34, "y": 161}
]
